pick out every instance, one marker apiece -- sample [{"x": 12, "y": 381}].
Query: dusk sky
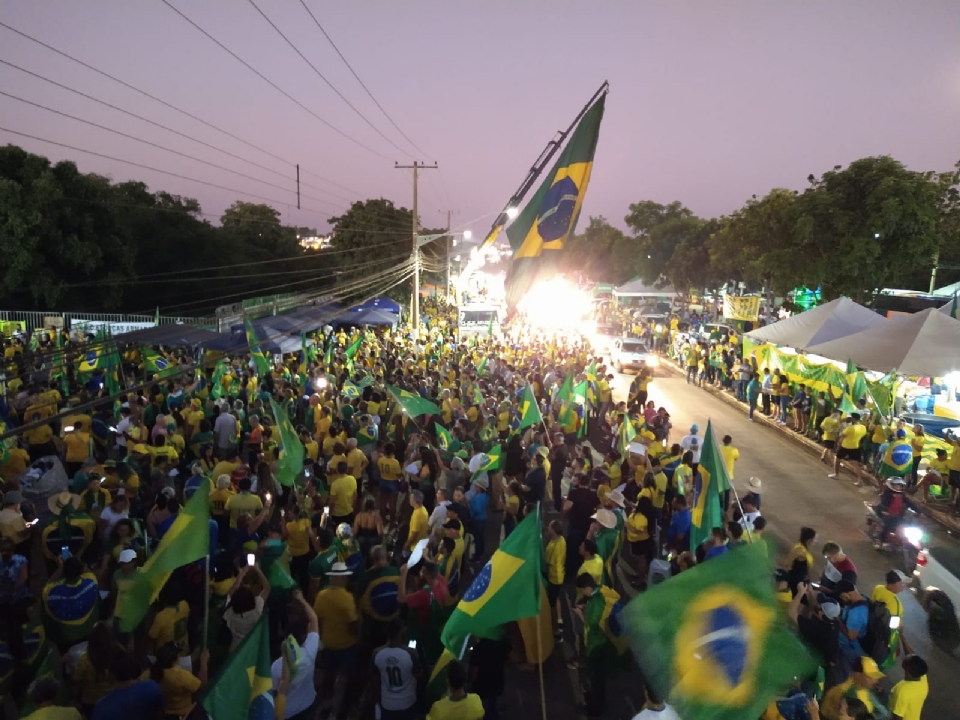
[{"x": 709, "y": 102}]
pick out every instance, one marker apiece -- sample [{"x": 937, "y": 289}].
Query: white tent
[
  {"x": 948, "y": 290},
  {"x": 926, "y": 344},
  {"x": 947, "y": 307},
  {"x": 636, "y": 288},
  {"x": 835, "y": 319}
]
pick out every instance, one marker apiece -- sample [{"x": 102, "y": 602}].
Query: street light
[
  {"x": 512, "y": 212},
  {"x": 467, "y": 234}
]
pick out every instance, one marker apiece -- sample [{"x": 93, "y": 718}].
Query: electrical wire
[
  {"x": 273, "y": 84},
  {"x": 148, "y": 167},
  {"x": 325, "y": 80},
  {"x": 172, "y": 106},
  {"x": 161, "y": 147},
  {"x": 168, "y": 129}
]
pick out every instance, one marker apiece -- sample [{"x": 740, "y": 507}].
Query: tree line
[
  {"x": 81, "y": 242},
  {"x": 852, "y": 231}
]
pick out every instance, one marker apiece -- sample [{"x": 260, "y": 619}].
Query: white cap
[{"x": 127, "y": 555}]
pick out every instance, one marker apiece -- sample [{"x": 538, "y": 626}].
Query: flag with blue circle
[
  {"x": 897, "y": 461},
  {"x": 712, "y": 640}
]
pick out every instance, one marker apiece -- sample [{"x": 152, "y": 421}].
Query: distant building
[{"x": 315, "y": 242}]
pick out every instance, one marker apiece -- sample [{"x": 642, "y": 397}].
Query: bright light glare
[
  {"x": 652, "y": 360},
  {"x": 321, "y": 383},
  {"x": 512, "y": 212},
  {"x": 913, "y": 535},
  {"x": 556, "y": 303},
  {"x": 467, "y": 234}
]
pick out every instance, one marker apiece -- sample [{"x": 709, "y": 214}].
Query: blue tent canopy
[
  {"x": 378, "y": 303},
  {"x": 365, "y": 317},
  {"x": 172, "y": 335},
  {"x": 305, "y": 319}
]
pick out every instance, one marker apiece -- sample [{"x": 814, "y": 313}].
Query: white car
[
  {"x": 938, "y": 568},
  {"x": 602, "y": 338},
  {"x": 631, "y": 353}
]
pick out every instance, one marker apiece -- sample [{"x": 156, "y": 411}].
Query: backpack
[{"x": 876, "y": 642}]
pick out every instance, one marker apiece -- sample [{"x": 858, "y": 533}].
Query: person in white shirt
[
  {"x": 439, "y": 515},
  {"x": 123, "y": 427},
  {"x": 225, "y": 431},
  {"x": 113, "y": 513},
  {"x": 693, "y": 443},
  {"x": 655, "y": 708},
  {"x": 398, "y": 666},
  {"x": 301, "y": 695}
]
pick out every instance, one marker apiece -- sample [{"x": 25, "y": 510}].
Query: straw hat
[
  {"x": 753, "y": 485},
  {"x": 605, "y": 517},
  {"x": 56, "y": 503},
  {"x": 615, "y": 496},
  {"x": 339, "y": 569}
]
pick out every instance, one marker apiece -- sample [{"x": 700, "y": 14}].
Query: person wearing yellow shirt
[
  {"x": 555, "y": 554},
  {"x": 179, "y": 686},
  {"x": 76, "y": 448},
  {"x": 15, "y": 463},
  {"x": 938, "y": 473},
  {"x": 226, "y": 466},
  {"x": 171, "y": 621},
  {"x": 503, "y": 421},
  {"x": 850, "y": 437},
  {"x": 830, "y": 431},
  {"x": 419, "y": 522},
  {"x": 908, "y": 695},
  {"x": 339, "y": 456},
  {"x": 324, "y": 421},
  {"x": 339, "y": 618},
  {"x": 39, "y": 440},
  {"x": 356, "y": 460},
  {"x": 298, "y": 535},
  {"x": 457, "y": 704},
  {"x": 311, "y": 448},
  {"x": 343, "y": 495},
  {"x": 218, "y": 499},
  {"x": 954, "y": 467},
  {"x": 592, "y": 564},
  {"x": 641, "y": 546},
  {"x": 242, "y": 502},
  {"x": 389, "y": 469},
  {"x": 863, "y": 678},
  {"x": 896, "y": 581}
]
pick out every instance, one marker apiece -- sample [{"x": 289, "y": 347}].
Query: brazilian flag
[
  {"x": 714, "y": 640},
  {"x": 507, "y": 589},
  {"x": 242, "y": 688},
  {"x": 291, "y": 459},
  {"x": 711, "y": 480},
  {"x": 626, "y": 434},
  {"x": 897, "y": 460},
  {"x": 529, "y": 410},
  {"x": 492, "y": 463},
  {"x": 856, "y": 388},
  {"x": 551, "y": 215},
  {"x": 259, "y": 359},
  {"x": 379, "y": 592},
  {"x": 350, "y": 391},
  {"x": 411, "y": 403},
  {"x": 444, "y": 439}
]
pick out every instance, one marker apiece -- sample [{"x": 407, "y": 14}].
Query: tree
[
  {"x": 257, "y": 226},
  {"x": 602, "y": 253},
  {"x": 659, "y": 230},
  {"x": 866, "y": 227},
  {"x": 691, "y": 266}
]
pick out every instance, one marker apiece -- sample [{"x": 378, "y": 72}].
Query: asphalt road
[{"x": 797, "y": 492}]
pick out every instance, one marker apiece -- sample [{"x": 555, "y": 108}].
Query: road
[{"x": 796, "y": 492}]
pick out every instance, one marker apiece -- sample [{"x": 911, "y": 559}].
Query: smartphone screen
[
  {"x": 326, "y": 510},
  {"x": 65, "y": 552},
  {"x": 251, "y": 559},
  {"x": 894, "y": 622},
  {"x": 412, "y": 644}
]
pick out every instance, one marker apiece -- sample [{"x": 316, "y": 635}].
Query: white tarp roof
[
  {"x": 835, "y": 319},
  {"x": 636, "y": 288},
  {"x": 926, "y": 344},
  {"x": 948, "y": 290},
  {"x": 947, "y": 307}
]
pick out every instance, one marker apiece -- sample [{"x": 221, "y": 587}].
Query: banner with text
[{"x": 736, "y": 307}]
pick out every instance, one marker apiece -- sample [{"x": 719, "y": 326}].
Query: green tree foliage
[{"x": 602, "y": 252}]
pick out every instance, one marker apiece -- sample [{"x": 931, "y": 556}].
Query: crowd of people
[{"x": 357, "y": 563}]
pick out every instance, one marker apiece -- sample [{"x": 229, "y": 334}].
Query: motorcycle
[{"x": 904, "y": 542}]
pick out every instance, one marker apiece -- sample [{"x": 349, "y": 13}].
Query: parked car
[
  {"x": 709, "y": 329},
  {"x": 631, "y": 353},
  {"x": 937, "y": 584}
]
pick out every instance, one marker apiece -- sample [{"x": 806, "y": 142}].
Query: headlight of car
[{"x": 652, "y": 360}]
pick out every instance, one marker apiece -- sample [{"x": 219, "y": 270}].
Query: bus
[{"x": 475, "y": 318}]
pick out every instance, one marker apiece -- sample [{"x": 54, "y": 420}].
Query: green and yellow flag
[
  {"x": 242, "y": 688},
  {"x": 529, "y": 410},
  {"x": 713, "y": 640},
  {"x": 155, "y": 364},
  {"x": 291, "y": 458},
  {"x": 708, "y": 482},
  {"x": 551, "y": 215},
  {"x": 856, "y": 388},
  {"x": 492, "y": 463},
  {"x": 187, "y": 540},
  {"x": 259, "y": 359},
  {"x": 444, "y": 439},
  {"x": 625, "y": 436},
  {"x": 350, "y": 390},
  {"x": 411, "y": 403},
  {"x": 507, "y": 589},
  {"x": 897, "y": 461},
  {"x": 565, "y": 396}
]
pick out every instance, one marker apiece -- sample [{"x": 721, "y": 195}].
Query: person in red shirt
[
  {"x": 432, "y": 585},
  {"x": 836, "y": 568}
]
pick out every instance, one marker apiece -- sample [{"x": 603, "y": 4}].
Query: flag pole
[
  {"x": 206, "y": 604},
  {"x": 543, "y": 692}
]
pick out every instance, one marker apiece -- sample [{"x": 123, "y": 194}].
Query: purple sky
[{"x": 709, "y": 102}]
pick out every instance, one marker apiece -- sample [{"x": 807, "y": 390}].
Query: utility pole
[
  {"x": 446, "y": 259},
  {"x": 415, "y": 313}
]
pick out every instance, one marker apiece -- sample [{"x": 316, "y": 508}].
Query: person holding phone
[
  {"x": 244, "y": 608},
  {"x": 397, "y": 671}
]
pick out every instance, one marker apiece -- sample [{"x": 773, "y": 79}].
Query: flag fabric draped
[
  {"x": 625, "y": 436},
  {"x": 506, "y": 589},
  {"x": 529, "y": 410},
  {"x": 491, "y": 464},
  {"x": 350, "y": 391},
  {"x": 856, "y": 388},
  {"x": 897, "y": 461},
  {"x": 580, "y": 398},
  {"x": 413, "y": 404},
  {"x": 291, "y": 459},
  {"x": 328, "y": 355},
  {"x": 551, "y": 215},
  {"x": 709, "y": 481},
  {"x": 354, "y": 348},
  {"x": 242, "y": 688},
  {"x": 155, "y": 364},
  {"x": 713, "y": 640},
  {"x": 565, "y": 396},
  {"x": 92, "y": 359},
  {"x": 259, "y": 359},
  {"x": 187, "y": 540},
  {"x": 444, "y": 440}
]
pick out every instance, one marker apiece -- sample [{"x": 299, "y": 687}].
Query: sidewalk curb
[{"x": 945, "y": 520}]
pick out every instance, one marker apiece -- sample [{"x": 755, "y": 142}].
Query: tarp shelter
[
  {"x": 236, "y": 343},
  {"x": 170, "y": 335},
  {"x": 830, "y": 321},
  {"x": 948, "y": 306},
  {"x": 637, "y": 288},
  {"x": 365, "y": 317},
  {"x": 948, "y": 290},
  {"x": 304, "y": 319},
  {"x": 926, "y": 344},
  {"x": 378, "y": 303}
]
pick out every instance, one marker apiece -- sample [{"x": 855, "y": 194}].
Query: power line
[
  {"x": 156, "y": 145},
  {"x": 273, "y": 84},
  {"x": 149, "y": 167},
  {"x": 168, "y": 129},
  {"x": 170, "y": 105},
  {"x": 324, "y": 78}
]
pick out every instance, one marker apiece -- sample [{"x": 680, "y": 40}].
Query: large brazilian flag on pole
[{"x": 551, "y": 215}]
